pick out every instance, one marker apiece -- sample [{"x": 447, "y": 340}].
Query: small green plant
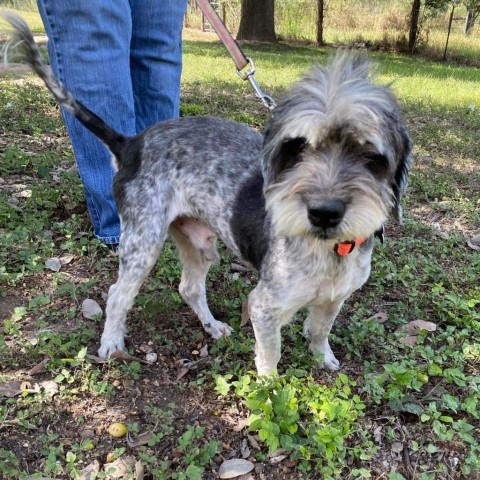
[
  {"x": 9, "y": 465},
  {"x": 316, "y": 423},
  {"x": 133, "y": 369},
  {"x": 194, "y": 454}
]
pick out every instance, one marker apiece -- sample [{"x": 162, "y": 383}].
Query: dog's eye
[
  {"x": 290, "y": 153},
  {"x": 377, "y": 164}
]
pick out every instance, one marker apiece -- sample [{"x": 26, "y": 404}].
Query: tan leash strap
[{"x": 241, "y": 61}]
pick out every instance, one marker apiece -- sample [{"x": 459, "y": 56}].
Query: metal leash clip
[
  {"x": 241, "y": 61},
  {"x": 267, "y": 100}
]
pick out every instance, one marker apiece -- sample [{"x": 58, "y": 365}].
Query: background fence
[{"x": 381, "y": 24}]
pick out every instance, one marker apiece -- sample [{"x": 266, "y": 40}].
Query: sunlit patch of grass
[{"x": 32, "y": 17}]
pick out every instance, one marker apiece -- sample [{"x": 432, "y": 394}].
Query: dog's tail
[{"x": 21, "y": 39}]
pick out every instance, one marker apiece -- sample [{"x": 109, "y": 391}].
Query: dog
[{"x": 301, "y": 203}]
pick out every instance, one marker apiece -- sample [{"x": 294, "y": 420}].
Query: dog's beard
[
  {"x": 364, "y": 216},
  {"x": 366, "y": 211}
]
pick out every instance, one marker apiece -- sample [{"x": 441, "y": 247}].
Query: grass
[
  {"x": 31, "y": 16},
  {"x": 395, "y": 411}
]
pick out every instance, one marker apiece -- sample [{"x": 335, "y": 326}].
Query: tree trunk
[
  {"x": 449, "y": 30},
  {"x": 469, "y": 22},
  {"x": 257, "y": 21},
  {"x": 320, "y": 16},
  {"x": 414, "y": 16}
]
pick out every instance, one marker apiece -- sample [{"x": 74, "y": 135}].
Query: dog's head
[{"x": 336, "y": 154}]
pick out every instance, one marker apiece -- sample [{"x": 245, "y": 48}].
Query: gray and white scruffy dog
[{"x": 301, "y": 203}]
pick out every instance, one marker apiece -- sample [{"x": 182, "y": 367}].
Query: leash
[{"x": 245, "y": 65}]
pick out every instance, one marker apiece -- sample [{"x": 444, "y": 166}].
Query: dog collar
[{"x": 344, "y": 248}]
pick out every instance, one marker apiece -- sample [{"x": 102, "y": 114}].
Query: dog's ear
[
  {"x": 400, "y": 180},
  {"x": 287, "y": 155}
]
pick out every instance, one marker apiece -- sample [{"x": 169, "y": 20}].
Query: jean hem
[{"x": 109, "y": 240}]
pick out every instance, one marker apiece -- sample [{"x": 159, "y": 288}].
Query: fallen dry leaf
[
  {"x": 121, "y": 468},
  {"x": 53, "y": 264},
  {"x": 204, "y": 351},
  {"x": 90, "y": 471},
  {"x": 91, "y": 309},
  {"x": 182, "y": 373},
  {"x": 416, "y": 326},
  {"x": 146, "y": 348},
  {"x": 413, "y": 329},
  {"x": 245, "y": 451},
  {"x": 95, "y": 359},
  {"x": 87, "y": 433},
  {"x": 278, "y": 459},
  {"x": 410, "y": 340},
  {"x": 17, "y": 387},
  {"x": 235, "y": 467},
  {"x": 141, "y": 439},
  {"x": 14, "y": 387},
  {"x": 474, "y": 243},
  {"x": 380, "y": 317},
  {"x": 245, "y": 314},
  {"x": 253, "y": 442},
  {"x": 397, "y": 447},
  {"x": 278, "y": 455},
  {"x": 66, "y": 258},
  {"x": 122, "y": 356},
  {"x": 50, "y": 387},
  {"x": 241, "y": 424},
  {"x": 186, "y": 365},
  {"x": 139, "y": 470},
  {"x": 39, "y": 368}
]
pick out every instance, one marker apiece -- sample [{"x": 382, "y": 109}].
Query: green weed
[{"x": 317, "y": 424}]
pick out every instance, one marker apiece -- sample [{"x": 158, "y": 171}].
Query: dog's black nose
[{"x": 329, "y": 214}]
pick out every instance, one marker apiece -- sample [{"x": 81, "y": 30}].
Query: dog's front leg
[
  {"x": 267, "y": 320},
  {"x": 318, "y": 325}
]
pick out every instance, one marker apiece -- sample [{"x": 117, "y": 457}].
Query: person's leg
[
  {"x": 156, "y": 59},
  {"x": 89, "y": 45}
]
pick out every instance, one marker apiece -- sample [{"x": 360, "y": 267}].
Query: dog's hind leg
[
  {"x": 197, "y": 251},
  {"x": 318, "y": 325},
  {"x": 138, "y": 254}
]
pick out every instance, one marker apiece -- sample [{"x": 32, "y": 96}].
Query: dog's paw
[
  {"x": 109, "y": 345},
  {"x": 218, "y": 329},
  {"x": 330, "y": 362}
]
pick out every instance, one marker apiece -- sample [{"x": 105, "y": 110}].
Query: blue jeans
[{"x": 123, "y": 60}]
